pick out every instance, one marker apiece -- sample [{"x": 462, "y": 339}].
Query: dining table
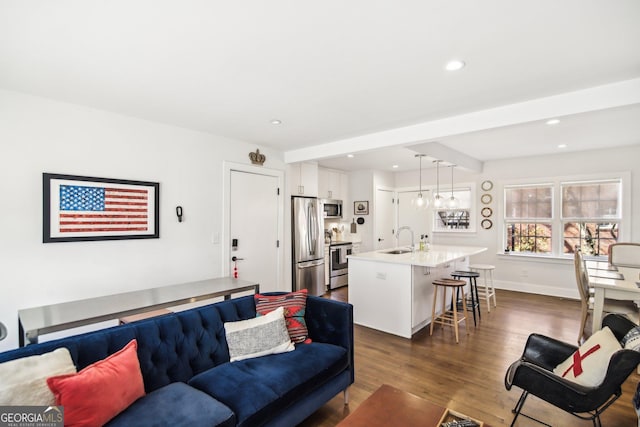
[{"x": 611, "y": 282}]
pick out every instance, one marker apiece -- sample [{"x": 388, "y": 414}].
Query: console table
[{"x": 33, "y": 322}]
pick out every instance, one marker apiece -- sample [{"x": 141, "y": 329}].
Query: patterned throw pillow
[
  {"x": 588, "y": 365},
  {"x": 631, "y": 340},
  {"x": 295, "y": 305}
]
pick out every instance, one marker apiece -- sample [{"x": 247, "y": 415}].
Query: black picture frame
[
  {"x": 361, "y": 208},
  {"x": 83, "y": 208}
]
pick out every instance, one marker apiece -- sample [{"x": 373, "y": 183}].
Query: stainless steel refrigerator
[{"x": 307, "y": 245}]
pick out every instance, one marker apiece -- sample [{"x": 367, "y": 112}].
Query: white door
[
  {"x": 253, "y": 225},
  {"x": 384, "y": 219},
  {"x": 418, "y": 220}
]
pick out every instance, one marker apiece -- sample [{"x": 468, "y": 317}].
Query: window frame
[
  {"x": 530, "y": 220},
  {"x": 472, "y": 209},
  {"x": 557, "y": 221}
]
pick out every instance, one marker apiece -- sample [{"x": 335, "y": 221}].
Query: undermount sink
[{"x": 397, "y": 251}]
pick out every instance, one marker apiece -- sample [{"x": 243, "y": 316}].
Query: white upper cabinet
[
  {"x": 303, "y": 179},
  {"x": 332, "y": 184}
]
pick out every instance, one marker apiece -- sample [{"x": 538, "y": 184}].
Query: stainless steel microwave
[{"x": 332, "y": 208}]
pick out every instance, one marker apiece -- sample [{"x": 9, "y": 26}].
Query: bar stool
[
  {"x": 449, "y": 317},
  {"x": 488, "y": 291},
  {"x": 473, "y": 290}
]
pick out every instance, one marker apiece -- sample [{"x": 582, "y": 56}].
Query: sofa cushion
[
  {"x": 258, "y": 336},
  {"x": 100, "y": 391},
  {"x": 257, "y": 388},
  {"x": 294, "y": 304},
  {"x": 24, "y": 381},
  {"x": 175, "y": 405}
]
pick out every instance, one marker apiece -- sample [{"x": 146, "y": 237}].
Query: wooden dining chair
[
  {"x": 626, "y": 308},
  {"x": 625, "y": 254}
]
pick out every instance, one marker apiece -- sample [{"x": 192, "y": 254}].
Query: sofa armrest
[{"x": 331, "y": 322}]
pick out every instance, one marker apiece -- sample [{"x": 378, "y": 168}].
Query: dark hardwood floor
[{"x": 469, "y": 377}]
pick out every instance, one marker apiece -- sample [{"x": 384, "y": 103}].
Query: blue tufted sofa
[{"x": 188, "y": 378}]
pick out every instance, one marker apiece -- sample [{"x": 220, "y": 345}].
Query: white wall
[
  {"x": 39, "y": 135},
  {"x": 552, "y": 277}
]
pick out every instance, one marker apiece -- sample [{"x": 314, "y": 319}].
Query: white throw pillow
[
  {"x": 24, "y": 381},
  {"x": 258, "y": 336},
  {"x": 588, "y": 365}
]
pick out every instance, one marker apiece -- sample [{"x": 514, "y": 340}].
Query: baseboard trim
[{"x": 531, "y": 288}]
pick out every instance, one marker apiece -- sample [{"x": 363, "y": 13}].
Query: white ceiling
[{"x": 332, "y": 70}]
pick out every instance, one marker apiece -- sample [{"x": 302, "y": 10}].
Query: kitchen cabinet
[
  {"x": 373, "y": 276},
  {"x": 332, "y": 184},
  {"x": 303, "y": 179},
  {"x": 326, "y": 265}
]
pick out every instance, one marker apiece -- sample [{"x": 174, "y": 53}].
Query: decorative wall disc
[
  {"x": 486, "y": 212},
  {"x": 486, "y": 185},
  {"x": 486, "y": 199},
  {"x": 486, "y": 224}
]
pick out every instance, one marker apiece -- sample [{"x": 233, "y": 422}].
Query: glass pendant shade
[
  {"x": 452, "y": 203},
  {"x": 438, "y": 201},
  {"x": 420, "y": 202}
]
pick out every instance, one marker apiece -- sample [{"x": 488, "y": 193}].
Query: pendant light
[
  {"x": 452, "y": 203},
  {"x": 420, "y": 202},
  {"x": 438, "y": 201}
]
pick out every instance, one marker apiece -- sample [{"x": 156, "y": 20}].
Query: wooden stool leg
[
  {"x": 493, "y": 289},
  {"x": 487, "y": 292},
  {"x": 433, "y": 310},
  {"x": 454, "y": 305},
  {"x": 464, "y": 307},
  {"x": 444, "y": 305},
  {"x": 475, "y": 287}
]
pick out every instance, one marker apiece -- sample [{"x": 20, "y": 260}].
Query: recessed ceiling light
[
  {"x": 454, "y": 65},
  {"x": 562, "y": 145},
  {"x": 276, "y": 122},
  {"x": 553, "y": 122},
  {"x": 395, "y": 166},
  {"x": 351, "y": 156}
]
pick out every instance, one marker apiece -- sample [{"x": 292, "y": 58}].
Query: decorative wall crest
[{"x": 257, "y": 158}]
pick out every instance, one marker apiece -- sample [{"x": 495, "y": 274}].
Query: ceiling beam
[
  {"x": 592, "y": 99},
  {"x": 448, "y": 155}
]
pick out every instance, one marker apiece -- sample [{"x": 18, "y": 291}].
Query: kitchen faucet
[{"x": 406, "y": 227}]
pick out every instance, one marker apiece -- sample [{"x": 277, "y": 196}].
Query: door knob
[{"x": 235, "y": 258}]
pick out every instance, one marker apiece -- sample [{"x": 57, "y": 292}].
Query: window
[
  {"x": 555, "y": 218},
  {"x": 591, "y": 213},
  {"x": 529, "y": 218},
  {"x": 457, "y": 219}
]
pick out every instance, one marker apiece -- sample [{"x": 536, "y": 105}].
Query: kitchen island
[{"x": 391, "y": 289}]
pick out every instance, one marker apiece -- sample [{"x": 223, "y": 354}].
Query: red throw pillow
[
  {"x": 295, "y": 305},
  {"x": 100, "y": 391}
]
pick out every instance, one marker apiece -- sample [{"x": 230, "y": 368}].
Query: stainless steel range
[{"x": 338, "y": 264}]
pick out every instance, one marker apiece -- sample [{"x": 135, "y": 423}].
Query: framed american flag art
[{"x": 82, "y": 208}]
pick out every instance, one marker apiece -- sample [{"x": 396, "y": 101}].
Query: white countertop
[{"x": 437, "y": 255}]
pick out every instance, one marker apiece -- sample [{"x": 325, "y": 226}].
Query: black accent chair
[{"x": 533, "y": 373}]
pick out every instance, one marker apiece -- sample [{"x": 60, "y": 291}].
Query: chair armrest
[
  {"x": 546, "y": 379},
  {"x": 546, "y": 352}
]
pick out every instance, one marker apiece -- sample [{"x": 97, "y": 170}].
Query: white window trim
[{"x": 557, "y": 237}]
